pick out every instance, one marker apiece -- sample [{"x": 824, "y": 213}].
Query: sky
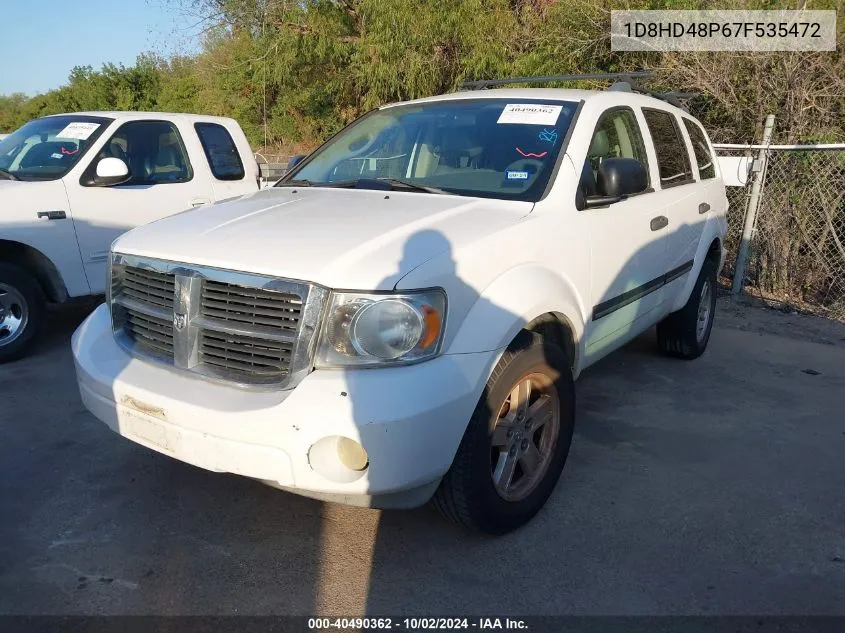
[{"x": 42, "y": 40}]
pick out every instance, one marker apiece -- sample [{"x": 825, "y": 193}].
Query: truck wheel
[
  {"x": 21, "y": 312},
  {"x": 516, "y": 443},
  {"x": 685, "y": 333}
]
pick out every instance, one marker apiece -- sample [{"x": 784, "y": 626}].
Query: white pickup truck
[
  {"x": 403, "y": 315},
  {"x": 72, "y": 183}
]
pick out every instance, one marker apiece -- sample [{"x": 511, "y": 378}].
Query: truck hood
[{"x": 340, "y": 238}]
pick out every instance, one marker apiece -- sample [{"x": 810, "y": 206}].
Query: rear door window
[
  {"x": 672, "y": 155},
  {"x": 703, "y": 157},
  {"x": 221, "y": 152}
]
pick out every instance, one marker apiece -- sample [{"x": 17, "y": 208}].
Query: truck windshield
[
  {"x": 47, "y": 149},
  {"x": 489, "y": 147}
]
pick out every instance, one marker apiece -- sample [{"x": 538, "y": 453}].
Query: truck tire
[
  {"x": 685, "y": 333},
  {"x": 516, "y": 443},
  {"x": 21, "y": 312}
]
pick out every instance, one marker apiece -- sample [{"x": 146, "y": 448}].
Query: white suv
[{"x": 403, "y": 315}]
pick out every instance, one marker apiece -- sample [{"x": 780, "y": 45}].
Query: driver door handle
[
  {"x": 659, "y": 222},
  {"x": 200, "y": 202},
  {"x": 52, "y": 215}
]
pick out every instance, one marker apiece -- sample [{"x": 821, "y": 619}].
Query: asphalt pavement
[{"x": 710, "y": 487}]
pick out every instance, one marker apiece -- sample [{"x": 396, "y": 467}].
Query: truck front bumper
[{"x": 409, "y": 420}]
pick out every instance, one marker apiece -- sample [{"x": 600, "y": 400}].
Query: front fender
[{"x": 513, "y": 300}]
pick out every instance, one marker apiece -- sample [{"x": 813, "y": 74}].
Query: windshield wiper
[
  {"x": 380, "y": 184},
  {"x": 8, "y": 175},
  {"x": 396, "y": 183},
  {"x": 294, "y": 183}
]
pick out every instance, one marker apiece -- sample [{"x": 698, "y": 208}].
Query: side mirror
[
  {"x": 616, "y": 179},
  {"x": 111, "y": 171},
  {"x": 295, "y": 160}
]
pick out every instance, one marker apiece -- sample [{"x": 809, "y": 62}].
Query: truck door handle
[
  {"x": 659, "y": 222},
  {"x": 200, "y": 202},
  {"x": 703, "y": 207},
  {"x": 52, "y": 215}
]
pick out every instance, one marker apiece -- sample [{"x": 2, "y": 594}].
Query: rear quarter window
[
  {"x": 221, "y": 151},
  {"x": 672, "y": 155},
  {"x": 700, "y": 147}
]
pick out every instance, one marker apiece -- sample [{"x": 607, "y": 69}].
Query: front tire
[
  {"x": 685, "y": 333},
  {"x": 516, "y": 443},
  {"x": 21, "y": 312}
]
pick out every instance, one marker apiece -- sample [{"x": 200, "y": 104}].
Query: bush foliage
[{"x": 294, "y": 72}]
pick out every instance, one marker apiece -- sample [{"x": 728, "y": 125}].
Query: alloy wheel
[{"x": 524, "y": 437}]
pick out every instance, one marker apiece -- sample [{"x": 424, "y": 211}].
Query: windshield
[
  {"x": 46, "y": 149},
  {"x": 493, "y": 148}
]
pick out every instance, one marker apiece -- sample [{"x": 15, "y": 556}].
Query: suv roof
[{"x": 601, "y": 98}]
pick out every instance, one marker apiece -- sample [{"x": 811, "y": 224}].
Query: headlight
[{"x": 373, "y": 329}]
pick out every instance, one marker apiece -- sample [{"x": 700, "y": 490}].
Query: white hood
[{"x": 340, "y": 238}]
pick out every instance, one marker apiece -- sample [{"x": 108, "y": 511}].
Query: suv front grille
[
  {"x": 149, "y": 332},
  {"x": 237, "y": 327},
  {"x": 146, "y": 309},
  {"x": 246, "y": 355},
  {"x": 251, "y": 306},
  {"x": 149, "y": 286}
]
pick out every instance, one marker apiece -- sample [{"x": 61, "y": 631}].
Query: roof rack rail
[
  {"x": 626, "y": 82},
  {"x": 672, "y": 98},
  {"x": 481, "y": 84}
]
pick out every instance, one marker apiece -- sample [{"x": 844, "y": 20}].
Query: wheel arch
[
  {"x": 709, "y": 249},
  {"x": 527, "y": 298},
  {"x": 37, "y": 264}
]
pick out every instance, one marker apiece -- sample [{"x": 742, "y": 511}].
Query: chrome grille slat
[
  {"x": 149, "y": 332},
  {"x": 255, "y": 349},
  {"x": 230, "y": 326},
  {"x": 254, "y": 319},
  {"x": 241, "y": 350},
  {"x": 273, "y": 334},
  {"x": 132, "y": 289},
  {"x": 144, "y": 307},
  {"x": 145, "y": 303}
]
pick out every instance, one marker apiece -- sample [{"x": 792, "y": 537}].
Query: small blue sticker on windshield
[
  {"x": 55, "y": 155},
  {"x": 516, "y": 175},
  {"x": 549, "y": 136}
]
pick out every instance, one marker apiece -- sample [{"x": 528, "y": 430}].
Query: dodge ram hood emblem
[{"x": 180, "y": 321}]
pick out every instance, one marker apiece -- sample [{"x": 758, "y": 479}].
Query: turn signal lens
[{"x": 433, "y": 324}]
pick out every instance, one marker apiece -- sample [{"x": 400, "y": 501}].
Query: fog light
[{"x": 351, "y": 454}]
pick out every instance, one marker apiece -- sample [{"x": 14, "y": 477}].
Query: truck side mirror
[
  {"x": 621, "y": 177},
  {"x": 110, "y": 171},
  {"x": 616, "y": 179},
  {"x": 295, "y": 160}
]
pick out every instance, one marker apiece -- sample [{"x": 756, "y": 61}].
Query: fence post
[{"x": 758, "y": 173}]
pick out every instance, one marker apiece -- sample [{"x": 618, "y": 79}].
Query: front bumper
[{"x": 410, "y": 419}]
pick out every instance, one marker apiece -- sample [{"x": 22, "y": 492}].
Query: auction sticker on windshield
[
  {"x": 530, "y": 114},
  {"x": 78, "y": 130}
]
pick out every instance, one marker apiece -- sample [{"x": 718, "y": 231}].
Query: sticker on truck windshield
[
  {"x": 79, "y": 130},
  {"x": 517, "y": 175},
  {"x": 530, "y": 114}
]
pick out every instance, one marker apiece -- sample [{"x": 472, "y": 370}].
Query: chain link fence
[
  {"x": 271, "y": 166},
  {"x": 796, "y": 254}
]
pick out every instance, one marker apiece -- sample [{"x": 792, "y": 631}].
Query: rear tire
[
  {"x": 536, "y": 434},
  {"x": 684, "y": 334},
  {"x": 21, "y": 312}
]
